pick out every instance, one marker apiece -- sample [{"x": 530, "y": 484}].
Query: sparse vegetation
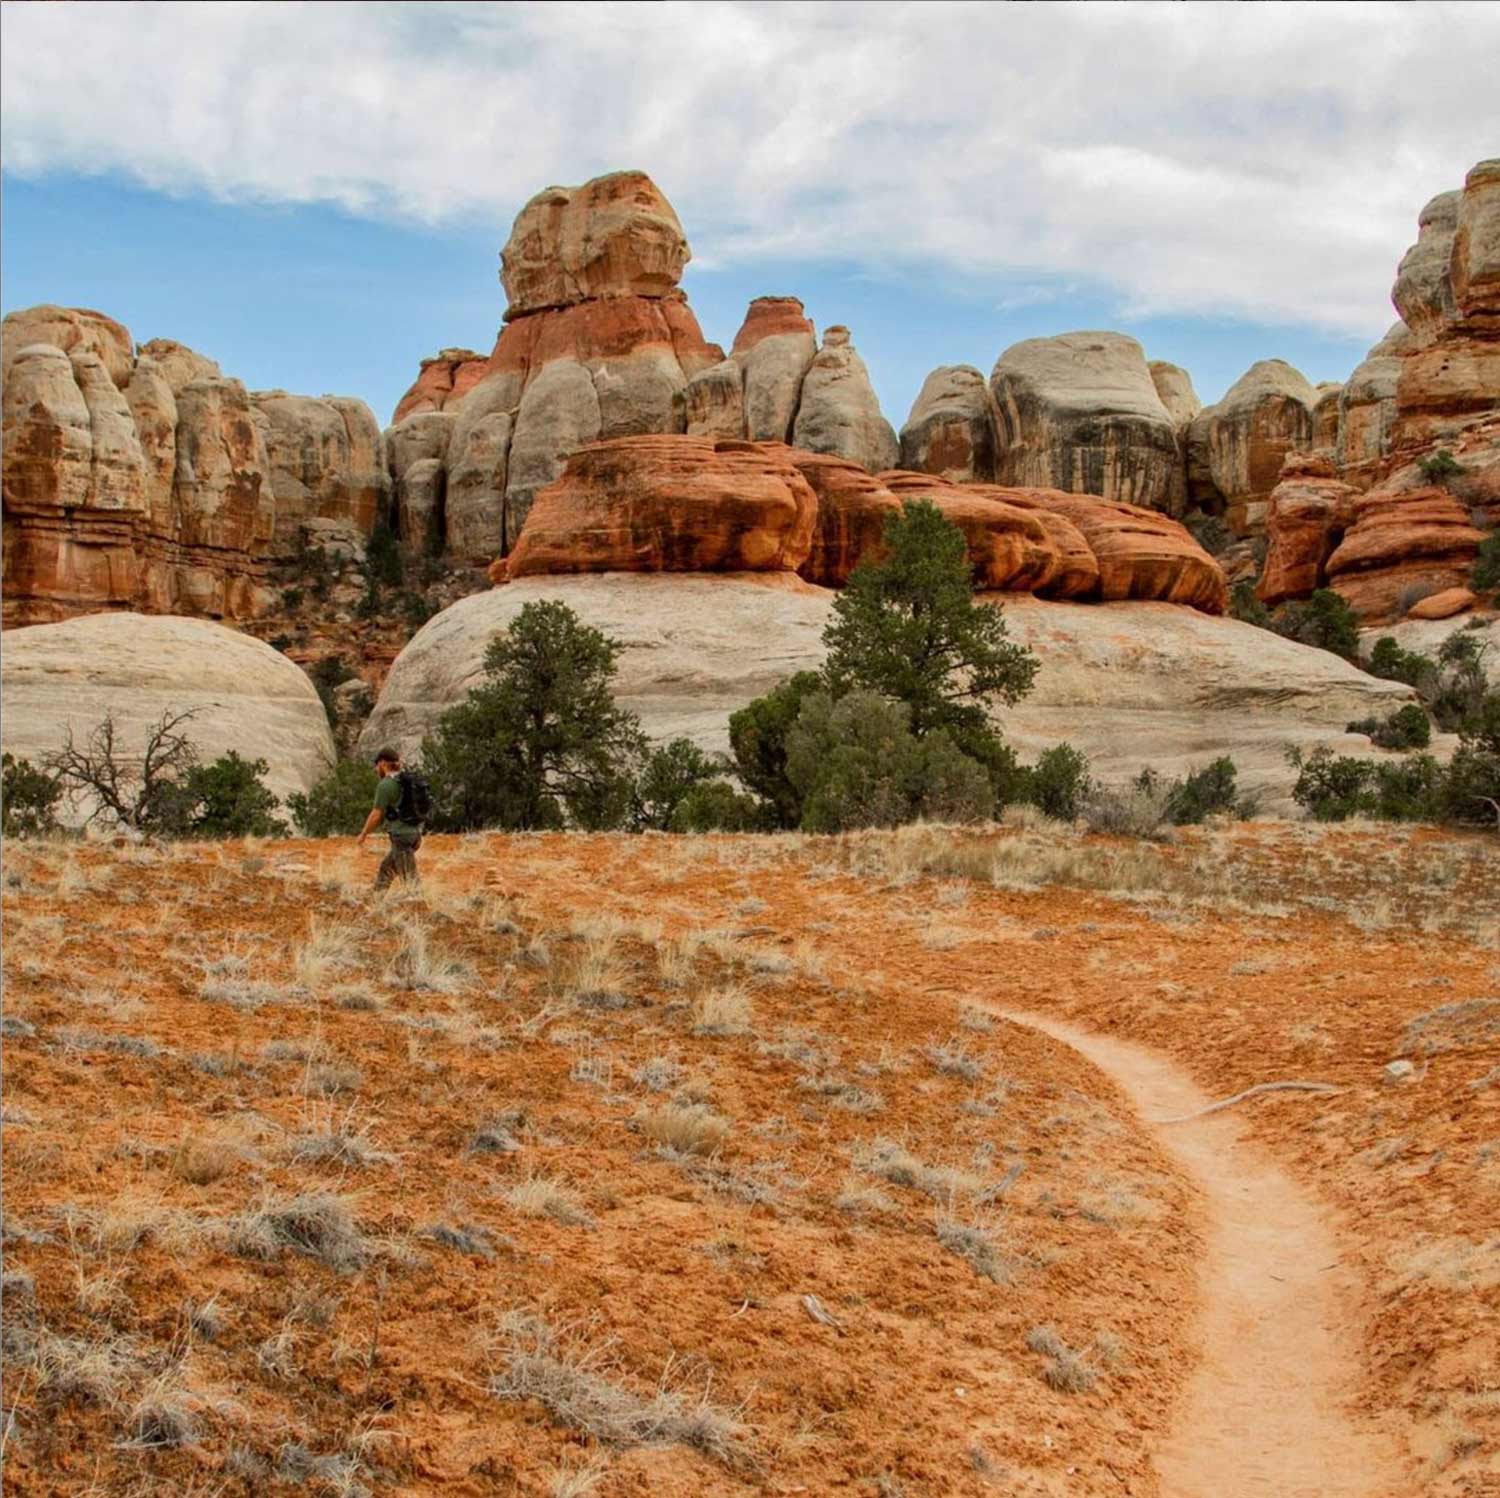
[
  {"x": 28, "y": 799},
  {"x": 1440, "y": 466},
  {"x": 338, "y": 804}
]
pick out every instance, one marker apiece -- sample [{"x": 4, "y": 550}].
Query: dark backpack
[{"x": 415, "y": 804}]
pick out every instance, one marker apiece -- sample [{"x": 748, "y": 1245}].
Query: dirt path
[{"x": 1265, "y": 1412}]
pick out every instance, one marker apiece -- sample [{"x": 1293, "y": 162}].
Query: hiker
[{"x": 402, "y": 806}]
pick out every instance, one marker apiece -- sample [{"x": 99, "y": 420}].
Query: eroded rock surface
[
  {"x": 1080, "y": 412},
  {"x": 950, "y": 432},
  {"x": 244, "y": 695}
]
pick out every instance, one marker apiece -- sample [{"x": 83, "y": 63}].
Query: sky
[{"x": 316, "y": 194}]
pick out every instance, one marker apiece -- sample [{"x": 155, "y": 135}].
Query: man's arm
[{"x": 376, "y": 817}]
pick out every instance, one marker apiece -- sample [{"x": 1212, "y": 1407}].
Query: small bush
[
  {"x": 1406, "y": 728},
  {"x": 1325, "y": 620},
  {"x": 227, "y": 798},
  {"x": 1245, "y": 605},
  {"x": 718, "y": 807},
  {"x": 28, "y": 799},
  {"x": 1058, "y": 784},
  {"x": 1486, "y": 575},
  {"x": 1440, "y": 466},
  {"x": 1335, "y": 787},
  {"x": 672, "y": 773},
  {"x": 1204, "y": 793},
  {"x": 1391, "y": 663},
  {"x": 338, "y": 804}
]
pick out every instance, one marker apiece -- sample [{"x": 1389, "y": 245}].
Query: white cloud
[{"x": 1253, "y": 161}]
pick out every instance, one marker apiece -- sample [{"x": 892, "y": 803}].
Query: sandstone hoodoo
[
  {"x": 950, "y": 432},
  {"x": 599, "y": 342},
  {"x": 1081, "y": 412},
  {"x": 1266, "y": 414},
  {"x": 449, "y": 375},
  {"x": 1308, "y": 514},
  {"x": 153, "y": 482}
]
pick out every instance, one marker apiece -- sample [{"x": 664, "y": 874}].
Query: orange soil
[{"x": 855, "y": 963}]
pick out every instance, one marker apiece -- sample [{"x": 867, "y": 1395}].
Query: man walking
[{"x": 402, "y": 820}]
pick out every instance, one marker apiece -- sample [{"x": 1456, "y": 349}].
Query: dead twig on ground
[{"x": 1249, "y": 1092}]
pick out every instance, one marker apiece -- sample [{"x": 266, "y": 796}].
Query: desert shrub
[
  {"x": 1391, "y": 663},
  {"x": 671, "y": 772},
  {"x": 855, "y": 762},
  {"x": 28, "y": 799},
  {"x": 717, "y": 807},
  {"x": 338, "y": 804},
  {"x": 1439, "y": 466},
  {"x": 1325, "y": 620},
  {"x": 1203, "y": 793},
  {"x": 1137, "y": 810},
  {"x": 1245, "y": 605},
  {"x": 383, "y": 567},
  {"x": 1406, "y": 728},
  {"x": 1334, "y": 787},
  {"x": 1058, "y": 783},
  {"x": 541, "y": 742},
  {"x": 227, "y": 798},
  {"x": 757, "y": 735},
  {"x": 1486, "y": 575},
  {"x": 328, "y": 674},
  {"x": 1471, "y": 786}
]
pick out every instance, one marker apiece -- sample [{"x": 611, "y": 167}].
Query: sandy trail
[{"x": 1265, "y": 1413}]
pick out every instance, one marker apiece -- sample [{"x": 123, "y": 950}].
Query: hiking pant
[{"x": 400, "y": 862}]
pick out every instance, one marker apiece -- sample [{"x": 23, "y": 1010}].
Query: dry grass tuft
[
  {"x": 975, "y": 1242},
  {"x": 1063, "y": 1368},
  {"x": 541, "y": 1196},
  {"x": 723, "y": 1011},
  {"x": 316, "y": 1223},
  {"x": 574, "y": 1384},
  {"x": 685, "y": 1129}
]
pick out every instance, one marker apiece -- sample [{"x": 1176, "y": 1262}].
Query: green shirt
[{"x": 387, "y": 796}]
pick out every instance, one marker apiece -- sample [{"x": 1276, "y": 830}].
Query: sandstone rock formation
[
  {"x": 1130, "y": 684},
  {"x": 1367, "y": 404},
  {"x": 773, "y": 348},
  {"x": 598, "y": 342},
  {"x": 1081, "y": 413},
  {"x": 327, "y": 461},
  {"x": 1266, "y": 414},
  {"x": 670, "y": 504},
  {"x": 1476, "y": 250},
  {"x": 1308, "y": 514},
  {"x": 178, "y": 364},
  {"x": 1443, "y": 605},
  {"x": 1400, "y": 545},
  {"x": 614, "y": 236},
  {"x": 838, "y": 412},
  {"x": 147, "y": 482},
  {"x": 950, "y": 432},
  {"x": 1423, "y": 293},
  {"x": 247, "y": 696},
  {"x": 73, "y": 330},
  {"x": 1175, "y": 387},
  {"x": 449, "y": 375},
  {"x": 689, "y": 504}
]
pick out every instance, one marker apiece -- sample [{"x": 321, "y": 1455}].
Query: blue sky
[{"x": 945, "y": 180}]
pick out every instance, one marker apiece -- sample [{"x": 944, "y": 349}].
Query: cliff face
[{"x": 150, "y": 481}]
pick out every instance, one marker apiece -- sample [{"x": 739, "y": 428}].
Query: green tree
[
  {"x": 715, "y": 806},
  {"x": 1245, "y": 605},
  {"x": 28, "y": 798},
  {"x": 338, "y": 804},
  {"x": 757, "y": 735},
  {"x": 1406, "y": 728},
  {"x": 671, "y": 773},
  {"x": 541, "y": 742},
  {"x": 906, "y": 626},
  {"x": 225, "y": 798}
]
